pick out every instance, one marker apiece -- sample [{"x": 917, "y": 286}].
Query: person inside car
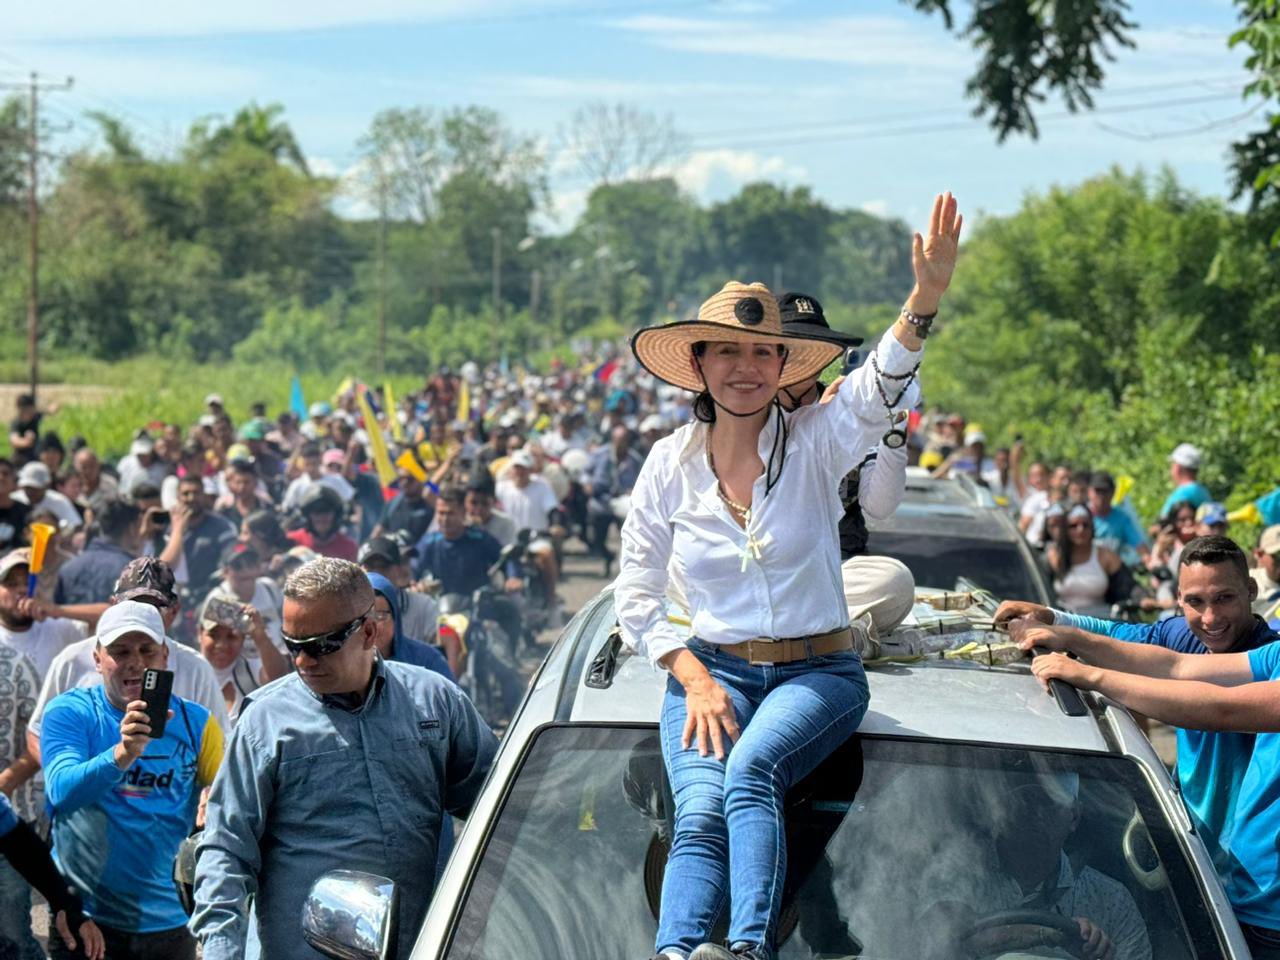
[
  {"x": 720, "y": 497},
  {"x": 1029, "y": 829}
]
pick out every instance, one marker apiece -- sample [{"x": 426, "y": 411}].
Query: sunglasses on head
[{"x": 323, "y": 644}]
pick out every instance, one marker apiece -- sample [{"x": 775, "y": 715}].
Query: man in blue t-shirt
[
  {"x": 1215, "y": 593},
  {"x": 122, "y": 802},
  {"x": 1233, "y": 692},
  {"x": 1184, "y": 467},
  {"x": 460, "y": 557}
]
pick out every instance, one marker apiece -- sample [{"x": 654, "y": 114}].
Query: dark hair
[
  {"x": 144, "y": 491},
  {"x": 26, "y": 400},
  {"x": 1215, "y": 550},
  {"x": 1062, "y": 542},
  {"x": 1080, "y": 478},
  {"x": 455, "y": 496},
  {"x": 310, "y": 449},
  {"x": 51, "y": 441},
  {"x": 480, "y": 483},
  {"x": 265, "y": 525},
  {"x": 192, "y": 478},
  {"x": 243, "y": 466},
  {"x": 116, "y": 517},
  {"x": 6, "y": 462}
]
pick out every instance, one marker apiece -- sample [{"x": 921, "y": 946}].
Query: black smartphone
[{"x": 157, "y": 686}]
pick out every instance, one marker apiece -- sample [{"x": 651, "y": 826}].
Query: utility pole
[
  {"x": 34, "y": 86},
  {"x": 497, "y": 291}
]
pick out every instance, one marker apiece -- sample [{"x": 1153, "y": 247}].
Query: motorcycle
[
  {"x": 489, "y": 674},
  {"x": 537, "y": 610}
]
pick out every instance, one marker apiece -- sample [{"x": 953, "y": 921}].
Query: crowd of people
[{"x": 288, "y": 573}]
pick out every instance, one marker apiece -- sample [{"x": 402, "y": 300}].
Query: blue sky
[{"x": 862, "y": 101}]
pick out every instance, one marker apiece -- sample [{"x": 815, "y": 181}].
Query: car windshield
[
  {"x": 1000, "y": 568},
  {"x": 899, "y": 850}
]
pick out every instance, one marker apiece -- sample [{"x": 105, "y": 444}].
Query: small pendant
[
  {"x": 752, "y": 549},
  {"x": 894, "y": 439}
]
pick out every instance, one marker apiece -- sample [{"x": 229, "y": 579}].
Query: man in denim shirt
[{"x": 351, "y": 763}]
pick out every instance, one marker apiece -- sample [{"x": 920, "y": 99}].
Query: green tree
[{"x": 255, "y": 127}]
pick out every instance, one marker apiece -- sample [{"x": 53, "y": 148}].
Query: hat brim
[
  {"x": 665, "y": 351},
  {"x": 816, "y": 331}
]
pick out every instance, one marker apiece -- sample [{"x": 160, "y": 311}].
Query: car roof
[
  {"x": 932, "y": 699},
  {"x": 948, "y": 520}
]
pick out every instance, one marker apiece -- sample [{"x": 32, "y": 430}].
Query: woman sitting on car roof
[{"x": 743, "y": 502}]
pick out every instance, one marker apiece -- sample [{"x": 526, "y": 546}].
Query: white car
[{"x": 905, "y": 844}]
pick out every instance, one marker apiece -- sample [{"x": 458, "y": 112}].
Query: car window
[
  {"x": 1000, "y": 568},
  {"x": 898, "y": 849}
]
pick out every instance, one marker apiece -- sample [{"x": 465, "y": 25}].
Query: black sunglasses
[{"x": 323, "y": 644}]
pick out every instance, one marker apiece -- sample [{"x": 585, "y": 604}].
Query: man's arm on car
[
  {"x": 1146, "y": 659},
  {"x": 1248, "y": 707}
]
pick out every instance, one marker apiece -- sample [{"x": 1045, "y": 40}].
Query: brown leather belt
[{"x": 765, "y": 651}]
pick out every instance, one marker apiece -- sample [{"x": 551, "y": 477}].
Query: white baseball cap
[
  {"x": 213, "y": 398},
  {"x": 1186, "y": 455},
  {"x": 142, "y": 446},
  {"x": 34, "y": 474},
  {"x": 974, "y": 436},
  {"x": 522, "y": 458},
  {"x": 130, "y": 616}
]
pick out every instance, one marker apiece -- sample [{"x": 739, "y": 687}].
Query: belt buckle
[{"x": 751, "y": 652}]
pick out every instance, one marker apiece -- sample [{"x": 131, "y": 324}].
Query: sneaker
[{"x": 740, "y": 951}]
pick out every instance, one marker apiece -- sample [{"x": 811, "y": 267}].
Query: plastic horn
[{"x": 40, "y": 534}]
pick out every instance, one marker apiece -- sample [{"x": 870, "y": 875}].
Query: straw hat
[{"x": 740, "y": 312}]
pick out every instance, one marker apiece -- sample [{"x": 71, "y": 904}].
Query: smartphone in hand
[{"x": 157, "y": 686}]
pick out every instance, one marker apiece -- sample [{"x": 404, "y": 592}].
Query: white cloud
[
  {"x": 901, "y": 42},
  {"x": 84, "y": 19},
  {"x": 877, "y": 208},
  {"x": 706, "y": 172},
  {"x": 127, "y": 75}
]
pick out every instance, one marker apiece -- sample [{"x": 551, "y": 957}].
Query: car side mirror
[{"x": 351, "y": 915}]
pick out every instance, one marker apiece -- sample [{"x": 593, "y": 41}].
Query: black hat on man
[{"x": 802, "y": 316}]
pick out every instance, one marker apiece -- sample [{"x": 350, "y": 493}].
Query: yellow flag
[
  {"x": 377, "y": 442},
  {"x": 1124, "y": 484},
  {"x": 346, "y": 384},
  {"x": 464, "y": 402},
  {"x": 409, "y": 463},
  {"x": 397, "y": 428}
]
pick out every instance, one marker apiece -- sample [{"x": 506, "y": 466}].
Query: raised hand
[{"x": 933, "y": 255}]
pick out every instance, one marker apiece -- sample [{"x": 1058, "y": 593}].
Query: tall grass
[{"x": 154, "y": 389}]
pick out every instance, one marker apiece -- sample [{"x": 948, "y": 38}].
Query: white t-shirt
[
  {"x": 193, "y": 679},
  {"x": 44, "y": 640},
  {"x": 528, "y": 507},
  {"x": 1033, "y": 507},
  {"x": 57, "y": 504}
]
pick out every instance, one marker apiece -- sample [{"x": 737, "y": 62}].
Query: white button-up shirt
[{"x": 781, "y": 576}]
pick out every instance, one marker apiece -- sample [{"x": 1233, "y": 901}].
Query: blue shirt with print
[
  {"x": 116, "y": 832},
  {"x": 461, "y": 565},
  {"x": 1211, "y": 765},
  {"x": 1253, "y": 884},
  {"x": 1193, "y": 492},
  {"x": 1118, "y": 532}
]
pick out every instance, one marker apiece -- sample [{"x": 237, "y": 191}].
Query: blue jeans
[
  {"x": 730, "y": 841},
  {"x": 15, "y": 914}
]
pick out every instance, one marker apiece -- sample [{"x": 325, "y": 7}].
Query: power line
[{"x": 1187, "y": 131}]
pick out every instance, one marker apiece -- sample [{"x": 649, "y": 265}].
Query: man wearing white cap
[
  {"x": 529, "y": 501},
  {"x": 34, "y": 482},
  {"x": 141, "y": 465},
  {"x": 1267, "y": 573},
  {"x": 1184, "y": 467},
  {"x": 40, "y": 639},
  {"x": 122, "y": 805}
]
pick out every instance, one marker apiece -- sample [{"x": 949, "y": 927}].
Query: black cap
[
  {"x": 381, "y": 547},
  {"x": 1102, "y": 481},
  {"x": 802, "y": 315}
]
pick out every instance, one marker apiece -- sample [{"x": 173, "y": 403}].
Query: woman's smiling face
[{"x": 742, "y": 377}]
